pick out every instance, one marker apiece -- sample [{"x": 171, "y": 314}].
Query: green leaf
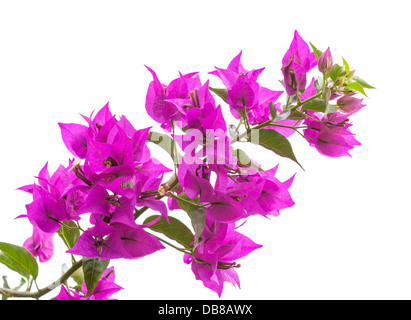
[
  {"x": 69, "y": 232},
  {"x": 318, "y": 84},
  {"x": 294, "y": 115},
  {"x": 10, "y": 264},
  {"x": 187, "y": 207},
  {"x": 318, "y": 105},
  {"x": 222, "y": 93},
  {"x": 175, "y": 230},
  {"x": 274, "y": 141},
  {"x": 346, "y": 66},
  {"x": 273, "y": 110},
  {"x": 282, "y": 116},
  {"x": 317, "y": 52},
  {"x": 166, "y": 142},
  {"x": 326, "y": 95},
  {"x": 198, "y": 220},
  {"x": 5, "y": 286},
  {"x": 336, "y": 72},
  {"x": 362, "y": 82},
  {"x": 19, "y": 259},
  {"x": 197, "y": 216},
  {"x": 78, "y": 276},
  {"x": 129, "y": 184},
  {"x": 357, "y": 87},
  {"x": 331, "y": 108},
  {"x": 93, "y": 268}
]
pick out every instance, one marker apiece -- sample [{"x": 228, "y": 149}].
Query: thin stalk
[
  {"x": 174, "y": 196},
  {"x": 307, "y": 100},
  {"x": 307, "y": 116},
  {"x": 324, "y": 82},
  {"x": 239, "y": 125},
  {"x": 170, "y": 244},
  {"x": 49, "y": 288},
  {"x": 174, "y": 150}
]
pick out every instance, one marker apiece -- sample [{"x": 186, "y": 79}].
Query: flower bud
[
  {"x": 351, "y": 73},
  {"x": 325, "y": 61},
  {"x": 161, "y": 191},
  {"x": 340, "y": 81},
  {"x": 290, "y": 79},
  {"x": 349, "y": 104}
]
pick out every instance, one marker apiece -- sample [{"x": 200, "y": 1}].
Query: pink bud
[
  {"x": 349, "y": 104},
  {"x": 325, "y": 62}
]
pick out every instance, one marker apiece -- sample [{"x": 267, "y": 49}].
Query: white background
[{"x": 347, "y": 237}]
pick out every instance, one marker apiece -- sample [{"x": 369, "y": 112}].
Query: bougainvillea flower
[
  {"x": 62, "y": 188},
  {"x": 296, "y": 63},
  {"x": 261, "y": 193},
  {"x": 122, "y": 210},
  {"x": 349, "y": 104},
  {"x": 40, "y": 244},
  {"x": 141, "y": 153},
  {"x": 96, "y": 201},
  {"x": 274, "y": 197},
  {"x": 197, "y": 106},
  {"x": 104, "y": 289},
  {"x": 101, "y": 241},
  {"x": 325, "y": 61},
  {"x": 214, "y": 260},
  {"x": 75, "y": 138},
  {"x": 244, "y": 93},
  {"x": 332, "y": 145},
  {"x": 147, "y": 188},
  {"x": 116, "y": 208},
  {"x": 332, "y": 136},
  {"x": 224, "y": 208},
  {"x": 194, "y": 180},
  {"x": 261, "y": 113},
  {"x": 286, "y": 132},
  {"x": 160, "y": 99},
  {"x": 153, "y": 168},
  {"x": 230, "y": 75},
  {"x": 45, "y": 212},
  {"x": 101, "y": 124},
  {"x": 116, "y": 179},
  {"x": 110, "y": 161},
  {"x": 136, "y": 242}
]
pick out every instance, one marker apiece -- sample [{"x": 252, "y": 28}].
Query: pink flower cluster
[{"x": 114, "y": 179}]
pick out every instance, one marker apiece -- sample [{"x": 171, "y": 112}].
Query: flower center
[{"x": 110, "y": 162}]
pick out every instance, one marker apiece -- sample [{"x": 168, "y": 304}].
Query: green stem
[
  {"x": 288, "y": 102},
  {"x": 174, "y": 150},
  {"x": 246, "y": 122},
  {"x": 174, "y": 196},
  {"x": 307, "y": 100},
  {"x": 170, "y": 244},
  {"x": 297, "y": 95},
  {"x": 72, "y": 228},
  {"x": 239, "y": 125},
  {"x": 49, "y": 288},
  {"x": 269, "y": 122},
  {"x": 307, "y": 116},
  {"x": 324, "y": 82}
]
